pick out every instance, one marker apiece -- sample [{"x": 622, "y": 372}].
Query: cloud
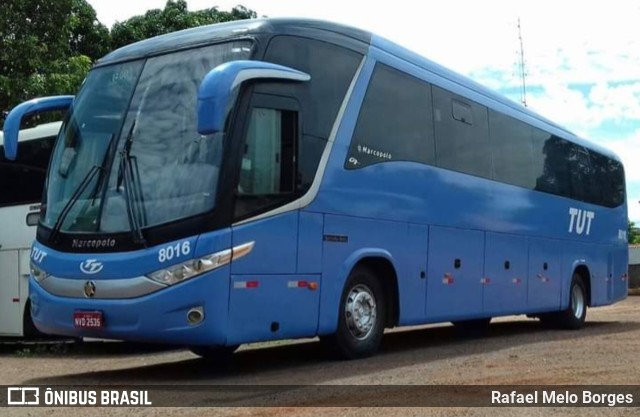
[
  {"x": 628, "y": 149},
  {"x": 586, "y": 109}
]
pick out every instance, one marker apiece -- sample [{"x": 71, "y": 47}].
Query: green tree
[
  {"x": 174, "y": 16},
  {"x": 88, "y": 36},
  {"x": 46, "y": 47},
  {"x": 633, "y": 233}
]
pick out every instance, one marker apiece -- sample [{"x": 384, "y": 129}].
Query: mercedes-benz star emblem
[{"x": 89, "y": 289}]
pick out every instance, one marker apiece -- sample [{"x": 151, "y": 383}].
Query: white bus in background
[{"x": 21, "y": 184}]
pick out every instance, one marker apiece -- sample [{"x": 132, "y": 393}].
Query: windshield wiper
[
  {"x": 132, "y": 189},
  {"x": 72, "y": 201}
]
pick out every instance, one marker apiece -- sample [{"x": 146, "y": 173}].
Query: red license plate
[{"x": 88, "y": 319}]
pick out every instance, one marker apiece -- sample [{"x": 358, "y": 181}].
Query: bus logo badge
[
  {"x": 89, "y": 289},
  {"x": 91, "y": 266}
]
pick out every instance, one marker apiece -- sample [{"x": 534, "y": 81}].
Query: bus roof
[
  {"x": 40, "y": 131},
  {"x": 203, "y": 35},
  {"x": 343, "y": 35}
]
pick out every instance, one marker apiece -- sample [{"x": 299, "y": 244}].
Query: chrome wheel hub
[
  {"x": 577, "y": 301},
  {"x": 360, "y": 311}
]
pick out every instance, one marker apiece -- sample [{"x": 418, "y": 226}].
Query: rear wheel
[
  {"x": 361, "y": 316},
  {"x": 573, "y": 317}
]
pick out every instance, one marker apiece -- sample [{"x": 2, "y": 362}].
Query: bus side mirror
[
  {"x": 219, "y": 85},
  {"x": 14, "y": 119}
]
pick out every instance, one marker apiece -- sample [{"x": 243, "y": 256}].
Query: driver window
[{"x": 268, "y": 161}]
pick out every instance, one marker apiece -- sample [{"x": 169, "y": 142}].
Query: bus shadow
[
  {"x": 55, "y": 347},
  {"x": 307, "y": 362}
]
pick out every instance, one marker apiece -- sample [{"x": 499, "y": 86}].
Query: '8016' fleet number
[{"x": 178, "y": 250}]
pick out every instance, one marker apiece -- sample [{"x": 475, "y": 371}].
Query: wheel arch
[{"x": 381, "y": 263}]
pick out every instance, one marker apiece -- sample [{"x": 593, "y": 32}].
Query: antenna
[{"x": 521, "y": 65}]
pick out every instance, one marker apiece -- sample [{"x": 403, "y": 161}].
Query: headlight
[
  {"x": 38, "y": 273},
  {"x": 189, "y": 269}
]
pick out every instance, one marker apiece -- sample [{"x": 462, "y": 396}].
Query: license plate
[{"x": 88, "y": 319}]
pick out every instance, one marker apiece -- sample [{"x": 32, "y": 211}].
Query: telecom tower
[{"x": 521, "y": 68}]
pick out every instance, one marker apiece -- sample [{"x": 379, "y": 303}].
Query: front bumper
[{"x": 159, "y": 317}]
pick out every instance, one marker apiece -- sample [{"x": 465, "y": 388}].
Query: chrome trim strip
[
  {"x": 310, "y": 195},
  {"x": 216, "y": 260},
  {"x": 242, "y": 250},
  {"x": 104, "y": 288},
  {"x": 136, "y": 286}
]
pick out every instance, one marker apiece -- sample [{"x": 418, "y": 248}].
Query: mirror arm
[
  {"x": 13, "y": 121},
  {"x": 219, "y": 85}
]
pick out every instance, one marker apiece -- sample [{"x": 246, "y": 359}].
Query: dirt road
[{"x": 516, "y": 351}]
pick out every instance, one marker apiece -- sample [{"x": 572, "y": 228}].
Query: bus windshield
[{"x": 145, "y": 112}]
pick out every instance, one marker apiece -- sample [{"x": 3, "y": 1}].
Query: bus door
[
  {"x": 21, "y": 184},
  {"x": 269, "y": 298}
]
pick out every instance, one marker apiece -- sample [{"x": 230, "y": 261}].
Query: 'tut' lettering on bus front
[
  {"x": 38, "y": 255},
  {"x": 580, "y": 220}
]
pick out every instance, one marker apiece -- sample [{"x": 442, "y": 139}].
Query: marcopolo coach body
[{"x": 275, "y": 178}]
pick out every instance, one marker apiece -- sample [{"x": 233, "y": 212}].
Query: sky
[{"x": 582, "y": 58}]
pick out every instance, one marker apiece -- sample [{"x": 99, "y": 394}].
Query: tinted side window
[
  {"x": 601, "y": 187},
  {"x": 512, "y": 150},
  {"x": 608, "y": 188},
  {"x": 616, "y": 181},
  {"x": 569, "y": 170},
  {"x": 395, "y": 121},
  {"x": 22, "y": 180},
  {"x": 580, "y": 174},
  {"x": 462, "y": 134},
  {"x": 551, "y": 163},
  {"x": 331, "y": 68}
]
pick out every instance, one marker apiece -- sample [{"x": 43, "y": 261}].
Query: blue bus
[{"x": 290, "y": 178}]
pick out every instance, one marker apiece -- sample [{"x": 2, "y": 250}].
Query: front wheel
[{"x": 361, "y": 316}]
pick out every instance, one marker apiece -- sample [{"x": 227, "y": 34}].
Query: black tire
[
  {"x": 472, "y": 328},
  {"x": 215, "y": 355},
  {"x": 574, "y": 316},
  {"x": 29, "y": 329},
  {"x": 361, "y": 318}
]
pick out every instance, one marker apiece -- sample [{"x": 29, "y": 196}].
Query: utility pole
[{"x": 521, "y": 65}]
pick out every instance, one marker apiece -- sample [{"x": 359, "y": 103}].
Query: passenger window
[
  {"x": 511, "y": 143},
  {"x": 580, "y": 174},
  {"x": 552, "y": 171},
  {"x": 395, "y": 122},
  {"x": 268, "y": 163},
  {"x": 462, "y": 134},
  {"x": 616, "y": 184}
]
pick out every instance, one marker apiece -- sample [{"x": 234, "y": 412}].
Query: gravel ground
[{"x": 516, "y": 351}]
